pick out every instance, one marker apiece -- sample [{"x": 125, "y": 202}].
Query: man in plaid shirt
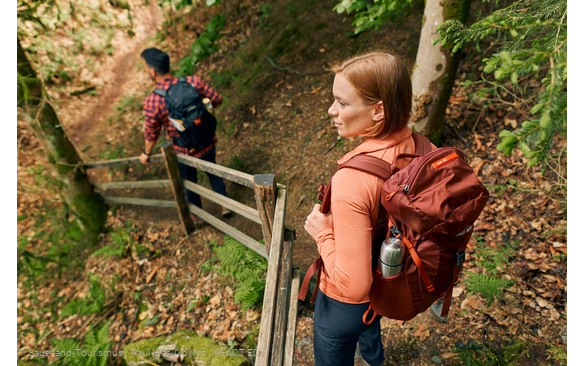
[{"x": 156, "y": 116}]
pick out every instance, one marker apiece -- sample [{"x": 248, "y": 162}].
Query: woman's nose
[{"x": 332, "y": 111}]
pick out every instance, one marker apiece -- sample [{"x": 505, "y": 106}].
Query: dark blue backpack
[{"x": 184, "y": 105}]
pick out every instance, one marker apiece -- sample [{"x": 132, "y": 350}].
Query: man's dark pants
[{"x": 189, "y": 173}]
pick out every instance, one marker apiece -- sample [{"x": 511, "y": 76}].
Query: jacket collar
[{"x": 372, "y": 144}]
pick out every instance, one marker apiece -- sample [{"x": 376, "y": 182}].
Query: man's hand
[{"x": 144, "y": 159}]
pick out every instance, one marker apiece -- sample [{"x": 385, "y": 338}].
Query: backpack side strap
[{"x": 315, "y": 268}]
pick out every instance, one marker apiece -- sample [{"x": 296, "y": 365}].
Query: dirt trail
[{"x": 122, "y": 77}]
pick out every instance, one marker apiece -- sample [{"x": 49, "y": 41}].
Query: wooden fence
[{"x": 279, "y": 310}]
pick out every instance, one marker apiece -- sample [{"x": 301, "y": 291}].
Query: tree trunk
[
  {"x": 76, "y": 190},
  {"x": 435, "y": 69}
]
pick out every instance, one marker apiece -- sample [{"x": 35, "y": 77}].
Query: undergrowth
[{"x": 246, "y": 268}]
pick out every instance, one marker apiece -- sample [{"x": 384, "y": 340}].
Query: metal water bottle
[{"x": 391, "y": 257}]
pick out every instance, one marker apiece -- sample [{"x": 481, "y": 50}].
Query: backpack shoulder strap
[
  {"x": 369, "y": 164},
  {"x": 422, "y": 144},
  {"x": 182, "y": 78},
  {"x": 161, "y": 92}
]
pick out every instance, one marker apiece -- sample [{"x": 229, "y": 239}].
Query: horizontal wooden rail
[
  {"x": 139, "y": 201},
  {"x": 233, "y": 205},
  {"x": 229, "y": 230},
  {"x": 235, "y": 176},
  {"x": 137, "y": 184},
  {"x": 231, "y": 174},
  {"x": 121, "y": 162}
]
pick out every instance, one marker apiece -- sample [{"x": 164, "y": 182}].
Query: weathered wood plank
[
  {"x": 170, "y": 158},
  {"x": 233, "y": 205},
  {"x": 229, "y": 230},
  {"x": 291, "y": 327},
  {"x": 159, "y": 183},
  {"x": 265, "y": 195},
  {"x": 121, "y": 162},
  {"x": 282, "y": 300},
  {"x": 268, "y": 306},
  {"x": 215, "y": 169},
  {"x": 139, "y": 201}
]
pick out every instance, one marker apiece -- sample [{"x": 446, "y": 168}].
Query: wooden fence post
[
  {"x": 177, "y": 187},
  {"x": 265, "y": 194}
]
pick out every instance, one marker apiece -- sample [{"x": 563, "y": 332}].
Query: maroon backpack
[{"x": 431, "y": 205}]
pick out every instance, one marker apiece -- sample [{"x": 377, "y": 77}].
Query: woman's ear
[{"x": 378, "y": 111}]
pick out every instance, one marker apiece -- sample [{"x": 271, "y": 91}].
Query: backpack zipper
[
  {"x": 405, "y": 187},
  {"x": 424, "y": 159}
]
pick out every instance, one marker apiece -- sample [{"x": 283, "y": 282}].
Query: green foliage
[
  {"x": 531, "y": 47},
  {"x": 29, "y": 264},
  {"x": 63, "y": 244},
  {"x": 558, "y": 354},
  {"x": 115, "y": 153},
  {"x": 203, "y": 46},
  {"x": 88, "y": 28},
  {"x": 371, "y": 15},
  {"x": 246, "y": 268},
  {"x": 121, "y": 241},
  {"x": 236, "y": 163},
  {"x": 92, "y": 303},
  {"x": 475, "y": 354},
  {"x": 494, "y": 260},
  {"x": 263, "y": 18},
  {"x": 487, "y": 287},
  {"x": 130, "y": 103},
  {"x": 94, "y": 352},
  {"x": 180, "y": 4}
]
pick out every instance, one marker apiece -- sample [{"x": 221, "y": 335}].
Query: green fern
[
  {"x": 94, "y": 352},
  {"x": 493, "y": 260},
  {"x": 488, "y": 287},
  {"x": 246, "y": 268},
  {"x": 93, "y": 303}
]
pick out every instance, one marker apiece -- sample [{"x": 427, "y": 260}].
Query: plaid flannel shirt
[{"x": 156, "y": 114}]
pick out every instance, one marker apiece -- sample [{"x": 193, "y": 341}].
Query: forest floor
[{"x": 271, "y": 66}]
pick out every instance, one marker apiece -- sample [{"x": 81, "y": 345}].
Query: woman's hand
[{"x": 316, "y": 221}]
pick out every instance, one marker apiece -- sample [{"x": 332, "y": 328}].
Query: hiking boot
[
  {"x": 198, "y": 221},
  {"x": 436, "y": 309},
  {"x": 225, "y": 212}
]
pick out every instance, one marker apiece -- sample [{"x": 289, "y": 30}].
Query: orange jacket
[{"x": 355, "y": 199}]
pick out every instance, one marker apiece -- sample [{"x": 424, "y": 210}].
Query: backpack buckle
[
  {"x": 460, "y": 259},
  {"x": 395, "y": 231}
]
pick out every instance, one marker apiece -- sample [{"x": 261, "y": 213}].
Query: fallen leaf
[
  {"x": 477, "y": 141},
  {"x": 449, "y": 355},
  {"x": 422, "y": 332},
  {"x": 316, "y": 90}
]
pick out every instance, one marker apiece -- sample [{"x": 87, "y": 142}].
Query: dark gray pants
[
  {"x": 190, "y": 173},
  {"x": 338, "y": 327}
]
